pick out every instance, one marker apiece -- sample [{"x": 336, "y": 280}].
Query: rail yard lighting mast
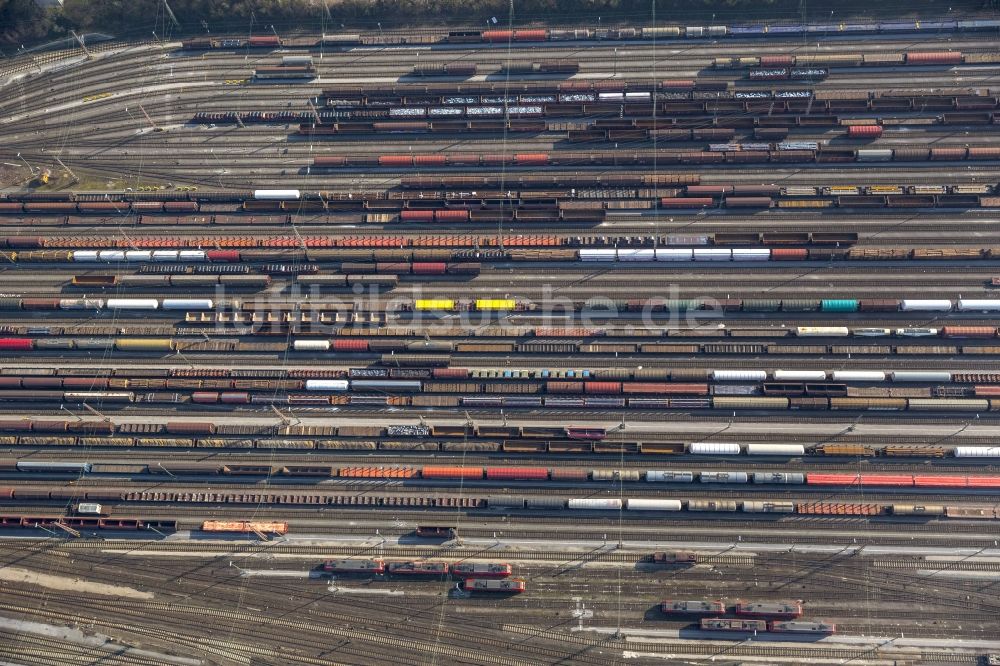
[{"x": 82, "y": 45}]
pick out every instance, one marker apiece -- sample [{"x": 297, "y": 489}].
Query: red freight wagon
[
  {"x": 710, "y": 190},
  {"x": 602, "y": 387},
  {"x": 518, "y": 473},
  {"x": 450, "y": 373},
  {"x": 497, "y": 35},
  {"x": 223, "y": 255},
  {"x": 266, "y": 40},
  {"x": 451, "y": 215},
  {"x": 981, "y": 481},
  {"x": 530, "y": 35},
  {"x": 777, "y": 61},
  {"x": 969, "y": 331},
  {"x": 864, "y": 131},
  {"x": 16, "y": 344},
  {"x": 429, "y": 160},
  {"x": 934, "y": 58},
  {"x": 887, "y": 479},
  {"x": 940, "y": 481},
  {"x": 429, "y": 268},
  {"x": 395, "y": 160},
  {"x": 429, "y": 472},
  {"x": 416, "y": 215},
  {"x": 350, "y": 345},
  {"x": 531, "y": 159},
  {"x": 789, "y": 254}
]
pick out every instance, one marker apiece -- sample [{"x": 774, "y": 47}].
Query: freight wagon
[{"x": 244, "y": 527}]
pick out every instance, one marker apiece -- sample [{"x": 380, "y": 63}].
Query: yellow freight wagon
[
  {"x": 144, "y": 344},
  {"x": 434, "y": 304},
  {"x": 495, "y": 304}
]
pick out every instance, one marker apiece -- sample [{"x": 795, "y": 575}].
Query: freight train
[
  {"x": 582, "y": 475},
  {"x": 613, "y": 33},
  {"x": 367, "y": 256},
  {"x": 200, "y": 435},
  {"x": 784, "y": 61},
  {"x": 810, "y": 101},
  {"x": 597, "y": 130},
  {"x": 629, "y": 102},
  {"x": 437, "y": 207},
  {"x": 509, "y": 503},
  {"x": 824, "y": 155},
  {"x": 642, "y": 395},
  {"x": 753, "y": 391},
  {"x": 84, "y": 523},
  {"x": 190, "y": 202},
  {"x": 378, "y": 566},
  {"x": 383, "y": 264}
]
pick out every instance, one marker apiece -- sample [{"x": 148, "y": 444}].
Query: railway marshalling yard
[{"x": 489, "y": 347}]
